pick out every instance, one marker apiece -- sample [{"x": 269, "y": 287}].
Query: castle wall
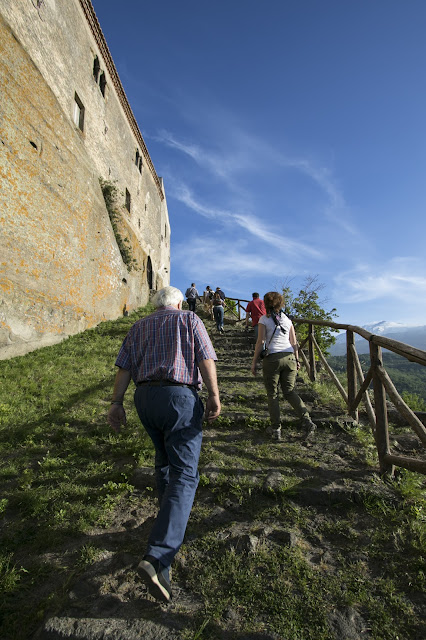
[{"x": 60, "y": 268}]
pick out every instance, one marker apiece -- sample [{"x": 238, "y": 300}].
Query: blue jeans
[
  {"x": 218, "y": 313},
  {"x": 172, "y": 417}
]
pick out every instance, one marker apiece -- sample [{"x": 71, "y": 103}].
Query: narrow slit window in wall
[
  {"x": 149, "y": 273},
  {"x": 140, "y": 165},
  {"x": 102, "y": 83},
  {"x": 78, "y": 113},
  {"x": 137, "y": 157},
  {"x": 96, "y": 68},
  {"x": 127, "y": 200}
]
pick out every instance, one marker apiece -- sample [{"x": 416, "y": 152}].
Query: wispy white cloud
[
  {"x": 232, "y": 259},
  {"x": 233, "y": 267},
  {"x": 401, "y": 279},
  {"x": 336, "y": 209},
  {"x": 239, "y": 152},
  {"x": 222, "y": 162},
  {"x": 249, "y": 223}
]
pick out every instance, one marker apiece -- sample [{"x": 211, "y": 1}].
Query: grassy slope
[
  {"x": 261, "y": 555},
  {"x": 63, "y": 470}
]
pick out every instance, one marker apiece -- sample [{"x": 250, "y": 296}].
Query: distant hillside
[
  {"x": 406, "y": 376},
  {"x": 414, "y": 336}
]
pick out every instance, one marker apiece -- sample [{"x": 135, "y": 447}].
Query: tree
[{"x": 308, "y": 304}]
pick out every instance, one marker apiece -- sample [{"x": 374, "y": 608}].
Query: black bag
[{"x": 265, "y": 349}]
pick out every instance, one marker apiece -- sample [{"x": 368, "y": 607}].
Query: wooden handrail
[
  {"x": 382, "y": 385},
  {"x": 402, "y": 349},
  {"x": 240, "y": 307},
  {"x": 401, "y": 406}
]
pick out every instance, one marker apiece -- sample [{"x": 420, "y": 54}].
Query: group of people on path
[
  {"x": 168, "y": 355},
  {"x": 213, "y": 302}
]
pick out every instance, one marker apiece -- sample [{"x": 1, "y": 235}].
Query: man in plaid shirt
[{"x": 164, "y": 354}]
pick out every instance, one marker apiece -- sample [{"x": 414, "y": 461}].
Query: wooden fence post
[
  {"x": 312, "y": 366},
  {"x": 382, "y": 430},
  {"x": 351, "y": 373}
]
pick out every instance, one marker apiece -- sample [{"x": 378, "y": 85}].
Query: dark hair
[
  {"x": 273, "y": 301},
  {"x": 255, "y": 295}
]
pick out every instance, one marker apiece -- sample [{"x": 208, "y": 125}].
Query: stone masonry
[{"x": 65, "y": 123}]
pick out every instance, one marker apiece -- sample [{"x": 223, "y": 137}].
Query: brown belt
[{"x": 166, "y": 383}]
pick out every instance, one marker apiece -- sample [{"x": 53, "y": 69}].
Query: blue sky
[{"x": 291, "y": 138}]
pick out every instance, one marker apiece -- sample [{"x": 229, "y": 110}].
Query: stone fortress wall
[{"x": 65, "y": 123}]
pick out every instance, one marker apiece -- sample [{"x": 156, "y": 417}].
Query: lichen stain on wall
[{"x": 61, "y": 270}]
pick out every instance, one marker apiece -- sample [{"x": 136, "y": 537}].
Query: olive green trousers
[{"x": 280, "y": 370}]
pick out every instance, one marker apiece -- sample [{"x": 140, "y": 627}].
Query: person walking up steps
[
  {"x": 191, "y": 295},
  {"x": 220, "y": 292},
  {"x": 218, "y": 311},
  {"x": 280, "y": 365},
  {"x": 164, "y": 354},
  {"x": 255, "y": 309},
  {"x": 208, "y": 301}
]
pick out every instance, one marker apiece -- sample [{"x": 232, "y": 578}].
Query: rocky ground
[{"x": 327, "y": 475}]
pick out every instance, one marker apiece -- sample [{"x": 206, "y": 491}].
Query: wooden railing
[
  {"x": 358, "y": 385},
  {"x": 241, "y": 308}
]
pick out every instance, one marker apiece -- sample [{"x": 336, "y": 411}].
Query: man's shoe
[
  {"x": 155, "y": 576},
  {"x": 310, "y": 426}
]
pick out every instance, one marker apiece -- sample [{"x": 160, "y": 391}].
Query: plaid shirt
[{"x": 166, "y": 345}]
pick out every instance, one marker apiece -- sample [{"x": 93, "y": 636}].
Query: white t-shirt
[{"x": 280, "y": 341}]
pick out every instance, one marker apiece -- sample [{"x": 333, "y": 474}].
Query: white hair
[{"x": 169, "y": 296}]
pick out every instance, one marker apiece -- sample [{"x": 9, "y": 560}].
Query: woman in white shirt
[{"x": 281, "y": 364}]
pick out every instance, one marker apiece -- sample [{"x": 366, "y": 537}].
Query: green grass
[
  {"x": 63, "y": 470},
  {"x": 275, "y": 587}
]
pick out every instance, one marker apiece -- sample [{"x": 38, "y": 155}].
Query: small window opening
[
  {"x": 127, "y": 200},
  {"x": 102, "y": 83},
  {"x": 137, "y": 157},
  {"x": 139, "y": 223},
  {"x": 140, "y": 165},
  {"x": 78, "y": 114},
  {"x": 149, "y": 273},
  {"x": 96, "y": 68},
  {"x": 33, "y": 144}
]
